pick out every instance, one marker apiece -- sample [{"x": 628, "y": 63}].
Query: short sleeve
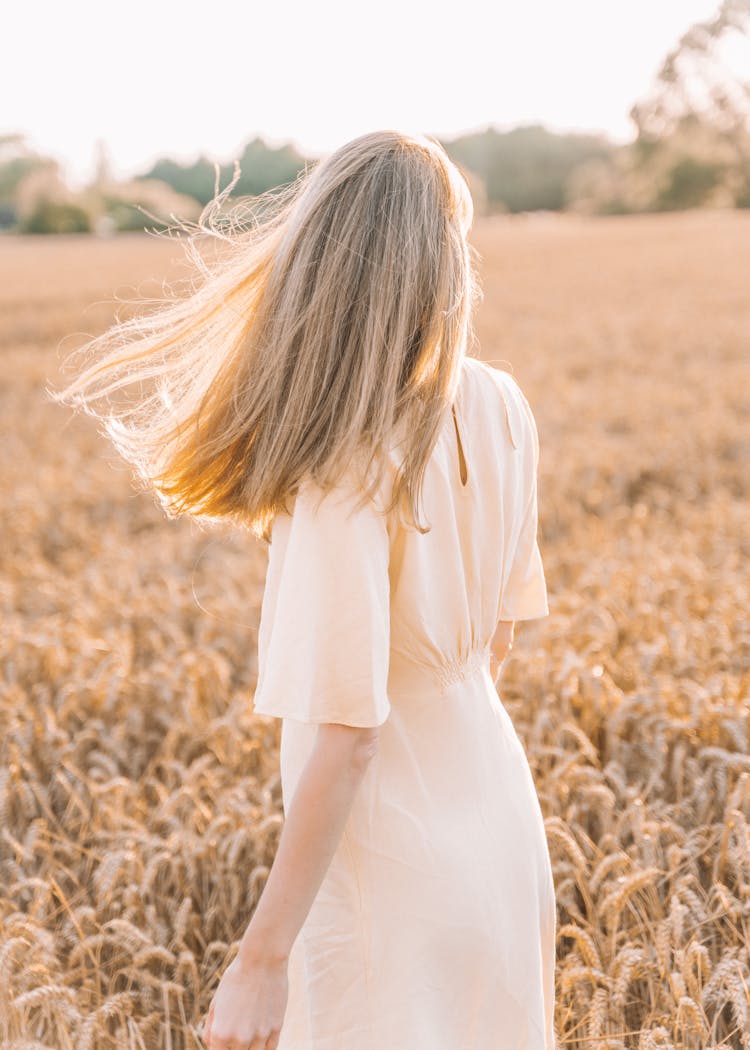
[
  {"x": 524, "y": 594},
  {"x": 324, "y": 635}
]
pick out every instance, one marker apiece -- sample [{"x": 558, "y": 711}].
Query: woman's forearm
[{"x": 311, "y": 833}]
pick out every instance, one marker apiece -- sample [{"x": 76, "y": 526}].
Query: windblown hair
[{"x": 335, "y": 315}]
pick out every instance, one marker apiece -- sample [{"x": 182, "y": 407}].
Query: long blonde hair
[{"x": 336, "y": 312}]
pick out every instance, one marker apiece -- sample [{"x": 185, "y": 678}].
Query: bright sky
[{"x": 155, "y": 77}]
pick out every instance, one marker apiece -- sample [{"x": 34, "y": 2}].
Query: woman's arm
[
  {"x": 250, "y": 1002},
  {"x": 311, "y": 833}
]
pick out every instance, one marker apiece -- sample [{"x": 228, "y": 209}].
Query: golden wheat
[{"x": 140, "y": 801}]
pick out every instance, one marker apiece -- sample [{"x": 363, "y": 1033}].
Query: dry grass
[{"x": 140, "y": 799}]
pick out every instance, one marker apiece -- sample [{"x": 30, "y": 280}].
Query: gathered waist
[{"x": 410, "y": 675}]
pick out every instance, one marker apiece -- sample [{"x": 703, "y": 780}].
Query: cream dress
[{"x": 434, "y": 927}]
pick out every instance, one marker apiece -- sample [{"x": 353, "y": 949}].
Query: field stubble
[{"x": 140, "y": 800}]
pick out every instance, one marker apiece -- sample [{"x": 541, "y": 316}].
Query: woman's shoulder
[
  {"x": 503, "y": 379},
  {"x": 512, "y": 399}
]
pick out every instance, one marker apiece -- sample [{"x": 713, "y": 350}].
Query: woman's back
[
  {"x": 438, "y": 906},
  {"x": 480, "y": 562},
  {"x": 446, "y": 588}
]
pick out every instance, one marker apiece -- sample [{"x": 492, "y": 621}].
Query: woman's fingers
[
  {"x": 264, "y": 1042},
  {"x": 226, "y": 1043},
  {"x": 258, "y": 1042}
]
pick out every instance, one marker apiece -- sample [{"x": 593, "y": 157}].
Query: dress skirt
[{"x": 434, "y": 927}]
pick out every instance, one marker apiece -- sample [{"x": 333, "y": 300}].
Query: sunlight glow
[{"x": 155, "y": 79}]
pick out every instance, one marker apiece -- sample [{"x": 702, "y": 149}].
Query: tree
[
  {"x": 528, "y": 167},
  {"x": 262, "y": 168},
  {"x": 697, "y": 85},
  {"x": 51, "y": 216},
  {"x": 17, "y": 161}
]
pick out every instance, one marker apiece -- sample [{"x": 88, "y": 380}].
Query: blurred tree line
[
  {"x": 692, "y": 143},
  {"x": 691, "y": 149}
]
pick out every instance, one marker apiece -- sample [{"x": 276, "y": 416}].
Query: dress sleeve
[
  {"x": 524, "y": 594},
  {"x": 324, "y": 635}
]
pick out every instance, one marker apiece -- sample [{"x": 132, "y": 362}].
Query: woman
[{"x": 315, "y": 387}]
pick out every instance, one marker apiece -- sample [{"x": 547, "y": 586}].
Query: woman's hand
[
  {"x": 248, "y": 1006},
  {"x": 501, "y": 645}
]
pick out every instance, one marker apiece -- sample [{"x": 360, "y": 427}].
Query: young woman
[{"x": 315, "y": 386}]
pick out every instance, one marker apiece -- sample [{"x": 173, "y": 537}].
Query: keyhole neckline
[{"x": 463, "y": 470}]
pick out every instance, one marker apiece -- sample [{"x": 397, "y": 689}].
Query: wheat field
[{"x": 140, "y": 801}]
